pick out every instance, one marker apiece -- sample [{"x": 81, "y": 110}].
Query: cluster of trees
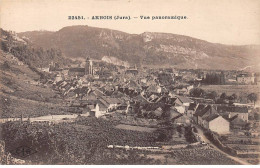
[
  {"x": 190, "y": 137},
  {"x": 197, "y": 92},
  {"x": 37, "y": 57},
  {"x": 31, "y": 55},
  {"x": 165, "y": 134},
  {"x": 82, "y": 142},
  {"x": 253, "y": 97},
  {"x": 223, "y": 98},
  {"x": 214, "y": 79},
  {"x": 165, "y": 79}
]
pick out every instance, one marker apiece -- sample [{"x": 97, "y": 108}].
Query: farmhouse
[
  {"x": 202, "y": 114},
  {"x": 231, "y": 111},
  {"x": 245, "y": 79},
  {"x": 216, "y": 123}
]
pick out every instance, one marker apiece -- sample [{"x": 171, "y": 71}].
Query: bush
[
  {"x": 82, "y": 142},
  {"x": 197, "y": 92},
  {"x": 190, "y": 137}
]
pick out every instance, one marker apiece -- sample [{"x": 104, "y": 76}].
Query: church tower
[{"x": 89, "y": 67}]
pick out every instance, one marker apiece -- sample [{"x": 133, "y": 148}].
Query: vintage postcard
[{"x": 129, "y": 82}]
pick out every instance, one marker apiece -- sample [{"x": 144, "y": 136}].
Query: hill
[
  {"x": 20, "y": 79},
  {"x": 26, "y": 52},
  {"x": 149, "y": 48}
]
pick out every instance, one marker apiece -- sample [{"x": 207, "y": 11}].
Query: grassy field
[
  {"x": 20, "y": 93},
  {"x": 230, "y": 89},
  {"x": 135, "y": 128},
  {"x": 12, "y": 106},
  {"x": 195, "y": 156},
  {"x": 131, "y": 120},
  {"x": 245, "y": 145},
  {"x": 240, "y": 90}
]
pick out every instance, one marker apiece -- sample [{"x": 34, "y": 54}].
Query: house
[
  {"x": 153, "y": 98},
  {"x": 202, "y": 114},
  {"x": 78, "y": 107},
  {"x": 185, "y": 101},
  {"x": 216, "y": 123},
  {"x": 98, "y": 110},
  {"x": 202, "y": 100},
  {"x": 180, "y": 109},
  {"x": 133, "y": 86},
  {"x": 143, "y": 80},
  {"x": 174, "y": 101},
  {"x": 180, "y": 119},
  {"x": 237, "y": 123},
  {"x": 76, "y": 72},
  {"x": 199, "y": 108},
  {"x": 245, "y": 78},
  {"x": 124, "y": 108},
  {"x": 58, "y": 78},
  {"x": 154, "y": 89},
  {"x": 181, "y": 91},
  {"x": 255, "y": 133},
  {"x": 140, "y": 99},
  {"x": 158, "y": 112},
  {"x": 172, "y": 94},
  {"x": 110, "y": 102},
  {"x": 185, "y": 90},
  {"x": 191, "y": 110},
  {"x": 231, "y": 111},
  {"x": 173, "y": 113}
]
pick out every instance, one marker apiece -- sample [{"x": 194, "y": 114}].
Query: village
[
  {"x": 147, "y": 97},
  {"x": 163, "y": 110},
  {"x": 149, "y": 93}
]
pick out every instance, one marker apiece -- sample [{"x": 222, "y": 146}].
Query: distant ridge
[{"x": 148, "y": 48}]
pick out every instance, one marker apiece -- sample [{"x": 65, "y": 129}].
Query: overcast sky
[{"x": 219, "y": 21}]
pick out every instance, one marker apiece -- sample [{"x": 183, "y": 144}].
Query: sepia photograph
[{"x": 129, "y": 82}]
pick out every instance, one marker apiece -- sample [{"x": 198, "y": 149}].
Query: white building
[
  {"x": 245, "y": 79},
  {"x": 216, "y": 123}
]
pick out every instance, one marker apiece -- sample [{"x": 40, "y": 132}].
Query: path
[
  {"x": 206, "y": 140},
  {"x": 51, "y": 118}
]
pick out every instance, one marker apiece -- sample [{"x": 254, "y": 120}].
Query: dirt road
[{"x": 206, "y": 140}]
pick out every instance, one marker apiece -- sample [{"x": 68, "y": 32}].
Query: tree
[
  {"x": 247, "y": 126},
  {"x": 6, "y": 66},
  {"x": 214, "y": 79},
  {"x": 233, "y": 97},
  {"x": 252, "y": 97},
  {"x": 197, "y": 92},
  {"x": 164, "y": 135},
  {"x": 212, "y": 95},
  {"x": 223, "y": 96}
]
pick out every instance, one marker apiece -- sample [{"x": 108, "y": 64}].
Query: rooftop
[
  {"x": 235, "y": 109},
  {"x": 212, "y": 117},
  {"x": 77, "y": 69}
]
